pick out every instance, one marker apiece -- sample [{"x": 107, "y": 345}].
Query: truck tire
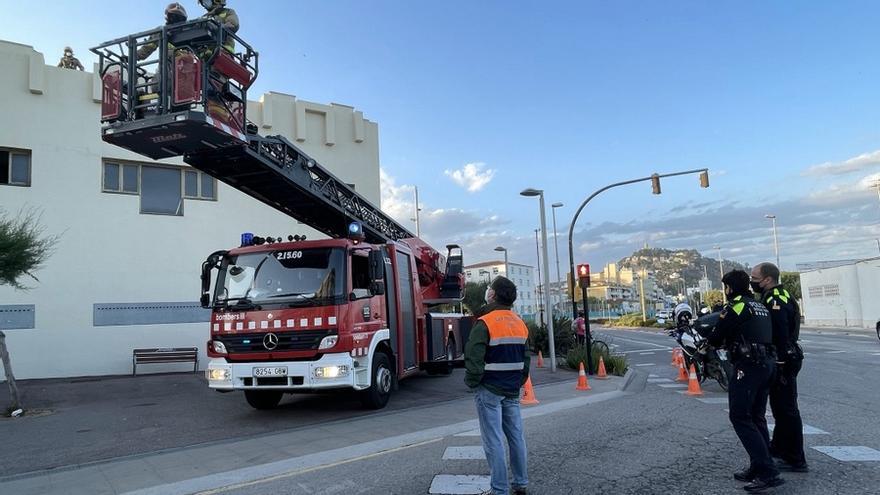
[
  {"x": 376, "y": 397},
  {"x": 263, "y": 399}
]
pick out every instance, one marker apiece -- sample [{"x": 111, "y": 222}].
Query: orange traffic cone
[
  {"x": 682, "y": 374},
  {"x": 528, "y": 395},
  {"x": 676, "y": 355},
  {"x": 693, "y": 383},
  {"x": 583, "y": 384},
  {"x": 601, "y": 374},
  {"x": 540, "y": 360}
]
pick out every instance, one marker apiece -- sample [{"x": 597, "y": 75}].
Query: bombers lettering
[{"x": 229, "y": 317}]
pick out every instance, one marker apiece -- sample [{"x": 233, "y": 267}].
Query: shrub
[
  {"x": 615, "y": 364},
  {"x": 563, "y": 337}
]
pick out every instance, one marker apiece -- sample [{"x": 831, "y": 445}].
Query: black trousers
[
  {"x": 747, "y": 397},
  {"x": 788, "y": 435}
]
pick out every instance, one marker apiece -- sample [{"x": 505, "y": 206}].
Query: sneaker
[
  {"x": 746, "y": 474},
  {"x": 759, "y": 485},
  {"x": 519, "y": 490}
]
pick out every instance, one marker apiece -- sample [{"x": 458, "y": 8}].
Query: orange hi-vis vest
[{"x": 507, "y": 346}]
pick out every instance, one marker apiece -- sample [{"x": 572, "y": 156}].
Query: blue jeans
[{"x": 500, "y": 418}]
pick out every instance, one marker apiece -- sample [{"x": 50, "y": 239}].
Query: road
[{"x": 647, "y": 439}]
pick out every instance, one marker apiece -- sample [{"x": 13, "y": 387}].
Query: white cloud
[
  {"x": 854, "y": 164},
  {"x": 472, "y": 177},
  {"x": 397, "y": 201}
]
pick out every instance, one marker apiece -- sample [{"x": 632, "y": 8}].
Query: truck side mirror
[
  {"x": 209, "y": 264},
  {"x": 205, "y": 300},
  {"x": 377, "y": 265}
]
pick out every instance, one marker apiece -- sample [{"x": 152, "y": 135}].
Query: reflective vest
[
  {"x": 757, "y": 327},
  {"x": 507, "y": 346}
]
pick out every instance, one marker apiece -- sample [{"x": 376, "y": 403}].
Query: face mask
[{"x": 756, "y": 287}]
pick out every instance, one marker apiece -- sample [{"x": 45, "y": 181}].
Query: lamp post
[
  {"x": 556, "y": 244},
  {"x": 539, "y": 310},
  {"x": 506, "y": 267},
  {"x": 532, "y": 193},
  {"x": 416, "y": 219},
  {"x": 655, "y": 183},
  {"x": 721, "y": 272},
  {"x": 775, "y": 239}
]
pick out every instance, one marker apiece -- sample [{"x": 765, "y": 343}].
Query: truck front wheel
[
  {"x": 376, "y": 397},
  {"x": 263, "y": 399}
]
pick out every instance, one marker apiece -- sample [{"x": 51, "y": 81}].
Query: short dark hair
[
  {"x": 737, "y": 280},
  {"x": 505, "y": 291},
  {"x": 769, "y": 270}
]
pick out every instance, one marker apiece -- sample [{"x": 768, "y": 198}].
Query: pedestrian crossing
[{"x": 463, "y": 484}]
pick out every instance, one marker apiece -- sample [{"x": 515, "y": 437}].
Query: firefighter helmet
[
  {"x": 68, "y": 49},
  {"x": 211, "y": 5},
  {"x": 175, "y": 13}
]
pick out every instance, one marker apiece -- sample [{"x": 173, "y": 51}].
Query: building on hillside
[
  {"x": 841, "y": 293},
  {"x": 133, "y": 231},
  {"x": 526, "y": 304}
]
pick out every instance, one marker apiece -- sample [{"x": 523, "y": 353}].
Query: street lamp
[
  {"x": 530, "y": 193},
  {"x": 655, "y": 182},
  {"x": 775, "y": 239},
  {"x": 416, "y": 219},
  {"x": 721, "y": 271},
  {"x": 556, "y": 244},
  {"x": 539, "y": 310},
  {"x": 506, "y": 267}
]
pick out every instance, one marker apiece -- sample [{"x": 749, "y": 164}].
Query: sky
[{"x": 476, "y": 101}]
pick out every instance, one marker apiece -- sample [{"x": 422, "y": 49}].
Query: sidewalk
[{"x": 184, "y": 470}]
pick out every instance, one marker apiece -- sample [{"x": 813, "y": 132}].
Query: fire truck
[{"x": 360, "y": 310}]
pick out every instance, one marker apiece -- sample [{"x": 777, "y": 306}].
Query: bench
[{"x": 165, "y": 355}]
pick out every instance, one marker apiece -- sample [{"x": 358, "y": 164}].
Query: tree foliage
[
  {"x": 474, "y": 296},
  {"x": 24, "y": 247},
  {"x": 713, "y": 297},
  {"x": 792, "y": 282}
]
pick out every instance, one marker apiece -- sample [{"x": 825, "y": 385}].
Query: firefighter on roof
[{"x": 68, "y": 61}]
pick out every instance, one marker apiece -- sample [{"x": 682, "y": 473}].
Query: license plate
[{"x": 263, "y": 372}]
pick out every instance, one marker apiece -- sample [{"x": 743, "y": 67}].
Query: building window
[
  {"x": 161, "y": 188},
  {"x": 198, "y": 185},
  {"x": 160, "y": 191},
  {"x": 15, "y": 167},
  {"x": 121, "y": 178},
  {"x": 494, "y": 270}
]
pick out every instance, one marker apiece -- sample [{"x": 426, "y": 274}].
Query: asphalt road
[{"x": 656, "y": 441}]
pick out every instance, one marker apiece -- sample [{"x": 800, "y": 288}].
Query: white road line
[
  {"x": 459, "y": 484},
  {"x": 807, "y": 429},
  {"x": 835, "y": 352},
  {"x": 468, "y": 452},
  {"x": 673, "y": 385},
  {"x": 848, "y": 454},
  {"x": 646, "y": 364},
  {"x": 659, "y": 380},
  {"x": 652, "y": 375},
  {"x": 713, "y": 400},
  {"x": 639, "y": 350},
  {"x": 646, "y": 353},
  {"x": 874, "y": 354},
  {"x": 615, "y": 337},
  {"x": 472, "y": 433}
]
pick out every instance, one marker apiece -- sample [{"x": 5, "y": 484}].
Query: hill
[{"x": 669, "y": 266}]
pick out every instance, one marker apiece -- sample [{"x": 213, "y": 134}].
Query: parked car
[{"x": 663, "y": 316}]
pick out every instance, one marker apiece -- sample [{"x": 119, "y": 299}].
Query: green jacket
[{"x": 475, "y": 354}]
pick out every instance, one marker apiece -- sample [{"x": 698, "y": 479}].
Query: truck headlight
[
  {"x": 331, "y": 371},
  {"x": 217, "y": 374},
  {"x": 328, "y": 342},
  {"x": 219, "y": 347}
]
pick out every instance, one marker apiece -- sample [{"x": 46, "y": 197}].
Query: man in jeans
[{"x": 497, "y": 366}]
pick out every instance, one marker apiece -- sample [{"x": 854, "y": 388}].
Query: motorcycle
[{"x": 709, "y": 362}]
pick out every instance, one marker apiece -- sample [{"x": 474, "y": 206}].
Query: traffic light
[
  {"x": 583, "y": 272},
  {"x": 655, "y": 183},
  {"x": 704, "y": 179}
]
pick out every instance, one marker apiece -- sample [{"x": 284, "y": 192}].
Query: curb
[{"x": 634, "y": 381}]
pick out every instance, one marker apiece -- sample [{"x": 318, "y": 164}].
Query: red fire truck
[{"x": 359, "y": 310}]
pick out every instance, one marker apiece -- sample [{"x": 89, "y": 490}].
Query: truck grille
[{"x": 301, "y": 340}]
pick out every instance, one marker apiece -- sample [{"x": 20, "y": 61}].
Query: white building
[
  {"x": 522, "y": 275},
  {"x": 133, "y": 232},
  {"x": 844, "y": 294}
]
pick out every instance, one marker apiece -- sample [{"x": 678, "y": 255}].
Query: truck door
[{"x": 407, "y": 309}]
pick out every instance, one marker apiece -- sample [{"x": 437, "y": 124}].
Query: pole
[
  {"x": 556, "y": 244},
  {"x": 538, "y": 287},
  {"x": 721, "y": 272},
  {"x": 642, "y": 295},
  {"x": 506, "y": 265},
  {"x": 10, "y": 378},
  {"x": 418, "y": 226},
  {"x": 588, "y": 339},
  {"x": 776, "y": 243},
  {"x": 590, "y": 198},
  {"x": 547, "y": 284}
]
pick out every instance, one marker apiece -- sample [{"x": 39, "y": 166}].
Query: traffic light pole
[
  {"x": 588, "y": 337},
  {"x": 704, "y": 182}
]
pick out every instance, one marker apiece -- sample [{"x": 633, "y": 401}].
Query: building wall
[
  {"x": 843, "y": 295},
  {"x": 110, "y": 253},
  {"x": 522, "y": 275}
]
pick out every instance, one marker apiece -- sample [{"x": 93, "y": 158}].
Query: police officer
[
  {"x": 746, "y": 331},
  {"x": 788, "y": 437}
]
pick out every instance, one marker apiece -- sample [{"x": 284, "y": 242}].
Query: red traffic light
[{"x": 583, "y": 271}]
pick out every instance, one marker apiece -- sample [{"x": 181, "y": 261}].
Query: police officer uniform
[
  {"x": 788, "y": 438},
  {"x": 746, "y": 331}
]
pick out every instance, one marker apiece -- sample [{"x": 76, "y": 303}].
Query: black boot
[
  {"x": 759, "y": 485},
  {"x": 747, "y": 474}
]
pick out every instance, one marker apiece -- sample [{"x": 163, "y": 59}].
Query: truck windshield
[{"x": 286, "y": 276}]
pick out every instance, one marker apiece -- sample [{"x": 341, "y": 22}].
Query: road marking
[
  {"x": 472, "y": 433},
  {"x": 646, "y": 353},
  {"x": 673, "y": 385},
  {"x": 876, "y": 354},
  {"x": 638, "y": 350},
  {"x": 646, "y": 364},
  {"x": 469, "y": 452},
  {"x": 615, "y": 337},
  {"x": 835, "y": 352},
  {"x": 713, "y": 400},
  {"x": 849, "y": 454},
  {"x": 652, "y": 375},
  {"x": 807, "y": 429},
  {"x": 659, "y": 380},
  {"x": 459, "y": 484}
]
